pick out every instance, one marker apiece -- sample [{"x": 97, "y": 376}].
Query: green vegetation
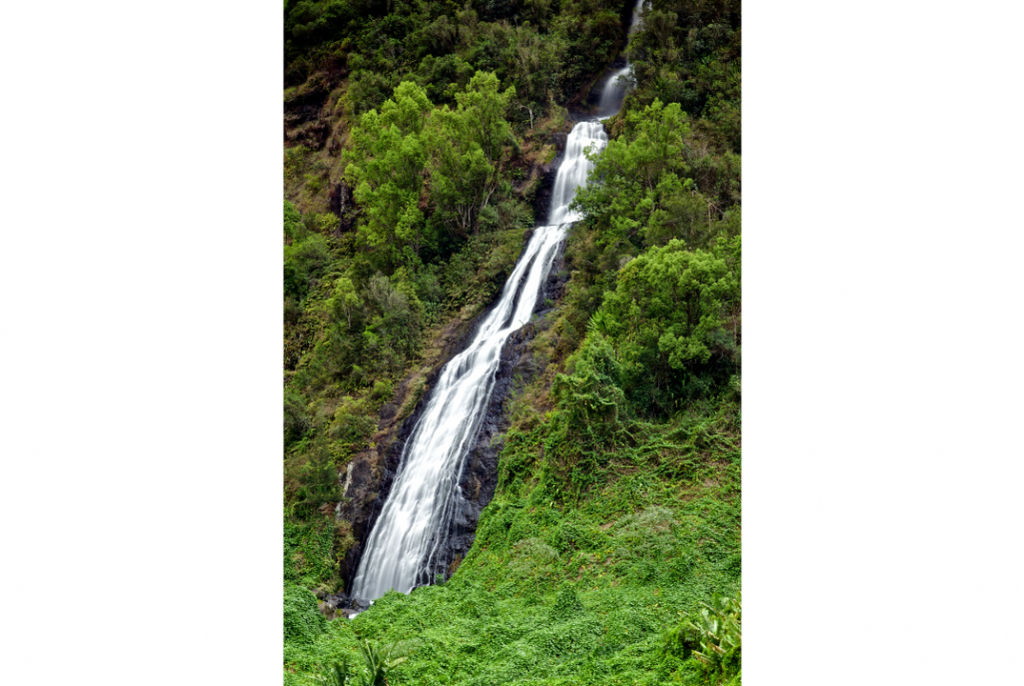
[
  {"x": 344, "y": 58},
  {"x": 547, "y": 49},
  {"x": 560, "y": 589},
  {"x": 688, "y": 51},
  {"x": 713, "y": 637},
  {"x": 450, "y": 161},
  {"x": 377, "y": 663},
  {"x": 610, "y": 553}
]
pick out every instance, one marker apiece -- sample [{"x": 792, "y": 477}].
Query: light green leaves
[
  {"x": 345, "y": 301},
  {"x": 411, "y": 160},
  {"x": 466, "y": 151},
  {"x": 713, "y": 637},
  {"x": 386, "y": 169},
  {"x": 637, "y": 173},
  {"x": 664, "y": 323}
]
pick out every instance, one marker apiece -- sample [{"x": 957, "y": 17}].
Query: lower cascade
[{"x": 403, "y": 546}]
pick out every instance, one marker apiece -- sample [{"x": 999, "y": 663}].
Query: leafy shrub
[
  {"x": 305, "y": 262},
  {"x": 293, "y": 228},
  {"x": 712, "y": 636},
  {"x": 296, "y": 419},
  {"x": 665, "y": 320},
  {"x": 377, "y": 663},
  {"x": 302, "y": 620},
  {"x": 530, "y": 555},
  {"x": 352, "y": 426},
  {"x": 319, "y": 481},
  {"x": 567, "y": 605}
]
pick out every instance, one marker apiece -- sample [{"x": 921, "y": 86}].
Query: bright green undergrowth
[
  {"x": 610, "y": 553},
  {"x": 559, "y": 590},
  {"x": 616, "y": 521}
]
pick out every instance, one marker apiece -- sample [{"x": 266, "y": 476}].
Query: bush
[
  {"x": 296, "y": 420},
  {"x": 305, "y": 262},
  {"x": 665, "y": 321},
  {"x": 302, "y": 620},
  {"x": 712, "y": 637}
]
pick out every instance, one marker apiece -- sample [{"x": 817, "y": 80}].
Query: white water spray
[
  {"x": 409, "y": 533},
  {"x": 417, "y": 514},
  {"x": 614, "y": 90}
]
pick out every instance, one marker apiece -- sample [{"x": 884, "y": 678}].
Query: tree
[
  {"x": 319, "y": 481},
  {"x": 637, "y": 173},
  {"x": 292, "y": 221},
  {"x": 458, "y": 152},
  {"x": 386, "y": 169},
  {"x": 534, "y": 64},
  {"x": 665, "y": 319},
  {"x": 482, "y": 108},
  {"x": 467, "y": 151},
  {"x": 345, "y": 301}
]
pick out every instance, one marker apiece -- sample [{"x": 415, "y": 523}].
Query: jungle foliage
[
  {"x": 425, "y": 177},
  {"x": 547, "y": 49},
  {"x": 610, "y": 553}
]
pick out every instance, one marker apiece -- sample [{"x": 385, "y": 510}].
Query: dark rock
[
  {"x": 341, "y": 204},
  {"x": 387, "y": 413},
  {"x": 590, "y": 103},
  {"x": 338, "y": 197},
  {"x": 527, "y": 235},
  {"x": 304, "y": 120},
  {"x": 559, "y": 139},
  {"x": 337, "y": 600},
  {"x": 326, "y": 610},
  {"x": 360, "y": 605},
  {"x": 370, "y": 475},
  {"x": 361, "y": 483},
  {"x": 548, "y": 172}
]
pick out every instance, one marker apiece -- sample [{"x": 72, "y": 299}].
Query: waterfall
[
  {"x": 404, "y": 545},
  {"x": 614, "y": 91}
]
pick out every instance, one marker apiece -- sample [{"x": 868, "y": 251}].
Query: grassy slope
[{"x": 570, "y": 591}]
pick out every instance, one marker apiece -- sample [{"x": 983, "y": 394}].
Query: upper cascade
[
  {"x": 575, "y": 167},
  {"x": 614, "y": 90}
]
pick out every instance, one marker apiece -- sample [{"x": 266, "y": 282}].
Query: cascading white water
[
  {"x": 572, "y": 173},
  {"x": 418, "y": 511},
  {"x": 614, "y": 91},
  {"x": 417, "y": 514}
]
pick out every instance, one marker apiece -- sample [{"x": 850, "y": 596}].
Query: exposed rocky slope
[{"x": 369, "y": 476}]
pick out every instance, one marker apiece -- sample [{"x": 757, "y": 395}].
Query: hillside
[{"x": 421, "y": 143}]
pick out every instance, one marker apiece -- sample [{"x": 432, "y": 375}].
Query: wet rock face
[
  {"x": 342, "y": 205},
  {"x": 359, "y": 483},
  {"x": 480, "y": 471},
  {"x": 304, "y": 120},
  {"x": 340, "y": 605},
  {"x": 593, "y": 98},
  {"x": 372, "y": 473},
  {"x": 542, "y": 198}
]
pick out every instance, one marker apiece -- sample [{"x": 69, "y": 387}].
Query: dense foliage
[
  {"x": 688, "y": 51},
  {"x": 415, "y": 133},
  {"x": 418, "y": 171},
  {"x": 547, "y": 49}
]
